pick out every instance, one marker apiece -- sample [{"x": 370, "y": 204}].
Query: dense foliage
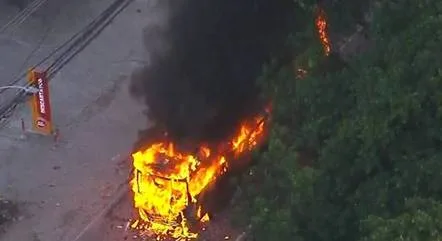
[{"x": 354, "y": 148}]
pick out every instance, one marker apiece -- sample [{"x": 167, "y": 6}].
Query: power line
[
  {"x": 28, "y": 10},
  {"x": 31, "y": 11},
  {"x": 23, "y": 15},
  {"x": 78, "y": 37},
  {"x": 16, "y": 80},
  {"x": 104, "y": 20},
  {"x": 81, "y": 39},
  {"x": 64, "y": 59},
  {"x": 20, "y": 76},
  {"x": 25, "y": 62}
]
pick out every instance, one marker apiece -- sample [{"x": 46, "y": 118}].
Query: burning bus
[{"x": 169, "y": 185}]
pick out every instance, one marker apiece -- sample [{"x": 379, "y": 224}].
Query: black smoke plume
[{"x": 200, "y": 80}]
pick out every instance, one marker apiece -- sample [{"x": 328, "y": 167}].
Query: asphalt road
[{"x": 63, "y": 186}]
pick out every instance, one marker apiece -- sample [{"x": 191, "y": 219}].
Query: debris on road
[{"x": 8, "y": 213}]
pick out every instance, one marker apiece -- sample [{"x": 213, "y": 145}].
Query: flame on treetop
[{"x": 321, "y": 26}]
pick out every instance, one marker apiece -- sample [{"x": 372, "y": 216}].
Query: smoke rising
[{"x": 204, "y": 61}]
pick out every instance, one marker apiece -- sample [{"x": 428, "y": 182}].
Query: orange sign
[{"x": 40, "y": 104}]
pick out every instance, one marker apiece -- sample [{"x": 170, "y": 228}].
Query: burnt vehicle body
[{"x": 213, "y": 197}]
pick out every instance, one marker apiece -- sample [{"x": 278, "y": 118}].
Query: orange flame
[
  {"x": 166, "y": 182},
  {"x": 321, "y": 25}
]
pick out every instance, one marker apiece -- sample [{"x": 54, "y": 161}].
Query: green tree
[
  {"x": 421, "y": 220},
  {"x": 373, "y": 132}
]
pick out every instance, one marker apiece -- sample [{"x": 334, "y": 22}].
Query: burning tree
[
  {"x": 321, "y": 25},
  {"x": 372, "y": 134}
]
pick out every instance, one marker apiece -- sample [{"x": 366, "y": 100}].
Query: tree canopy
[{"x": 354, "y": 147}]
